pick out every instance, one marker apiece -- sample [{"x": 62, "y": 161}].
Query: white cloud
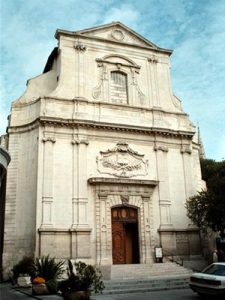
[
  {"x": 125, "y": 12},
  {"x": 194, "y": 29}
]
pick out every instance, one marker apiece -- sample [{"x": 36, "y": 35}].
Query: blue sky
[{"x": 194, "y": 29}]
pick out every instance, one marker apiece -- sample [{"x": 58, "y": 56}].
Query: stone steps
[
  {"x": 145, "y": 278},
  {"x": 145, "y": 285},
  {"x": 147, "y": 270}
]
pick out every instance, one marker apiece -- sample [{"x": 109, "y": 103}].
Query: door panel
[
  {"x": 125, "y": 241},
  {"x": 118, "y": 238},
  {"x": 128, "y": 246}
]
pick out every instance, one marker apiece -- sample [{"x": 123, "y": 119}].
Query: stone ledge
[
  {"x": 63, "y": 230},
  {"x": 104, "y": 180}
]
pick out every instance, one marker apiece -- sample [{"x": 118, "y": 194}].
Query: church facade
[{"x": 103, "y": 157}]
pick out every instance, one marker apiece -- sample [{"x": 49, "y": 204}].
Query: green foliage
[
  {"x": 48, "y": 268},
  {"x": 198, "y": 209},
  {"x": 24, "y": 266},
  {"x": 86, "y": 277},
  {"x": 52, "y": 286},
  {"x": 207, "y": 208}
]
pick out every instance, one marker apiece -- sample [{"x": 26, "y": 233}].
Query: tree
[{"x": 207, "y": 208}]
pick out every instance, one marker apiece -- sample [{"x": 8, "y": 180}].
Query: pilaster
[
  {"x": 164, "y": 196},
  {"x": 154, "y": 80},
  {"x": 79, "y": 177},
  {"x": 47, "y": 184},
  {"x": 79, "y": 69},
  {"x": 187, "y": 168}
]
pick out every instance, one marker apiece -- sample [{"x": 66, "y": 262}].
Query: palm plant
[{"x": 48, "y": 268}]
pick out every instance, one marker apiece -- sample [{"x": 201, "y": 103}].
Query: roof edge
[{"x": 78, "y": 34}]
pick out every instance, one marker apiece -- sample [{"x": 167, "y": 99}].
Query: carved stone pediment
[{"x": 122, "y": 161}]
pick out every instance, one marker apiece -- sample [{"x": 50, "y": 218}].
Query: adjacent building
[{"x": 4, "y": 161}]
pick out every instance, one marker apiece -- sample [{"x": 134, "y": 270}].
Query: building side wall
[{"x": 20, "y": 209}]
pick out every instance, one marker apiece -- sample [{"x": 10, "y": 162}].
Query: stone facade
[{"x": 100, "y": 128}]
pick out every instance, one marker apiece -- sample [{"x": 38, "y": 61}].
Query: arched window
[{"x": 118, "y": 87}]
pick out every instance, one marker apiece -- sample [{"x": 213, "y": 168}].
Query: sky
[{"x": 194, "y": 29}]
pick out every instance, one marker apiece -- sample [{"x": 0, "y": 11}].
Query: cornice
[
  {"x": 75, "y": 123},
  {"x": 105, "y": 40},
  {"x": 103, "y": 103},
  {"x": 104, "y": 180}
]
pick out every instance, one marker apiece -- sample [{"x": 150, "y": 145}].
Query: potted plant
[
  {"x": 23, "y": 271},
  {"x": 78, "y": 285},
  {"x": 47, "y": 273}
]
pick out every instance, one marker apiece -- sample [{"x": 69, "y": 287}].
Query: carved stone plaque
[{"x": 122, "y": 161}]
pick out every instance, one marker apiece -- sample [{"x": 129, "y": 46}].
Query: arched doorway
[{"x": 125, "y": 241}]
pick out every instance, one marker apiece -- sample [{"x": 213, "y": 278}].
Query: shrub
[
  {"x": 86, "y": 277},
  {"x": 24, "y": 266}
]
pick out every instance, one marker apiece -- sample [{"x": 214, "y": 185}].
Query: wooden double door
[{"x": 125, "y": 241}]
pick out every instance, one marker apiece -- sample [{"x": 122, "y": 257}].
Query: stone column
[
  {"x": 75, "y": 182},
  {"x": 79, "y": 178},
  {"x": 80, "y": 231},
  {"x": 146, "y": 198},
  {"x": 79, "y": 69},
  {"x": 82, "y": 183},
  {"x": 48, "y": 172},
  {"x": 154, "y": 80},
  {"x": 103, "y": 228},
  {"x": 187, "y": 167},
  {"x": 164, "y": 197}
]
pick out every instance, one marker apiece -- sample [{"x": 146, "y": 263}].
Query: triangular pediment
[{"x": 117, "y": 32}]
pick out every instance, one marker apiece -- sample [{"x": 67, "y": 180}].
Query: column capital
[
  {"x": 80, "y": 47},
  {"x": 186, "y": 149},
  {"x": 49, "y": 139},
  {"x": 161, "y": 148}
]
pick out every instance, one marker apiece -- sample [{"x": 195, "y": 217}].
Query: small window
[{"x": 118, "y": 87}]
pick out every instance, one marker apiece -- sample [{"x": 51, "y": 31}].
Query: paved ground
[
  {"x": 185, "y": 294},
  {"x": 7, "y": 293}
]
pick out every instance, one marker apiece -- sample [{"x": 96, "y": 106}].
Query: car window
[{"x": 215, "y": 270}]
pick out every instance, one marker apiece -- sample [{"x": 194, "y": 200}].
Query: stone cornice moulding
[
  {"x": 72, "y": 123},
  {"x": 116, "y": 105},
  {"x": 123, "y": 181},
  {"x": 173, "y": 230},
  {"x": 52, "y": 230},
  {"x": 102, "y": 103}
]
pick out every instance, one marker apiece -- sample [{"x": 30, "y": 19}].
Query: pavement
[{"x": 9, "y": 293}]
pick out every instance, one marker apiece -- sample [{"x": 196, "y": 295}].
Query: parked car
[{"x": 211, "y": 281}]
